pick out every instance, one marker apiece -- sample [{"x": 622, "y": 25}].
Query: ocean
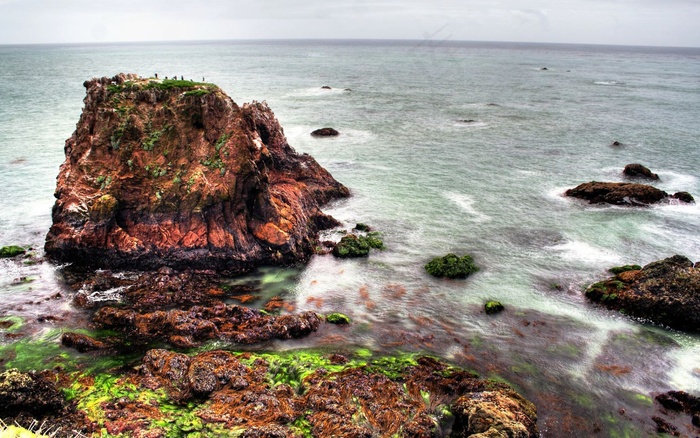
[{"x": 446, "y": 147}]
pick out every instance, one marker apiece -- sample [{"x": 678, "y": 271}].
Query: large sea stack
[{"x": 171, "y": 172}]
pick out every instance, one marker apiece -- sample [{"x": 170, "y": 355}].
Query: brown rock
[
  {"x": 83, "y": 343},
  {"x": 160, "y": 174},
  {"x": 630, "y": 194},
  {"x": 494, "y": 414},
  {"x": 638, "y": 170},
  {"x": 666, "y": 292},
  {"x": 325, "y": 132}
]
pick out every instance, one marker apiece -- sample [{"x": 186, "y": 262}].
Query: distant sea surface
[{"x": 447, "y": 147}]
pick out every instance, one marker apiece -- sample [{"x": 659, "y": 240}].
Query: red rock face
[{"x": 175, "y": 173}]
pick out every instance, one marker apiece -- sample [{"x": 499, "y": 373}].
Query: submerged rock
[
  {"x": 325, "y": 132},
  {"x": 666, "y": 292},
  {"x": 174, "y": 173},
  {"x": 617, "y": 193},
  {"x": 638, "y": 170}
]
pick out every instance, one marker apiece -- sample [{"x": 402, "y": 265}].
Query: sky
[{"x": 618, "y": 22}]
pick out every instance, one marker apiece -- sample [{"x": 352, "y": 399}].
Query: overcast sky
[{"x": 628, "y": 22}]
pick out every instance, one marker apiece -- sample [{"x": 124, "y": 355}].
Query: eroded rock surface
[
  {"x": 666, "y": 292},
  {"x": 167, "y": 172}
]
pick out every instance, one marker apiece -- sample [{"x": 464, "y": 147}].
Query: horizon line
[{"x": 427, "y": 41}]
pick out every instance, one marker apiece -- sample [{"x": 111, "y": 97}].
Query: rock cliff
[{"x": 168, "y": 172}]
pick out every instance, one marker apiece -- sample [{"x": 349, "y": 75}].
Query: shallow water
[{"x": 432, "y": 183}]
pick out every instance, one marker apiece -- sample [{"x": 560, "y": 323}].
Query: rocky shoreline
[{"x": 176, "y": 183}]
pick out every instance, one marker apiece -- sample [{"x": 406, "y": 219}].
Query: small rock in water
[
  {"x": 616, "y": 143},
  {"x": 493, "y": 307},
  {"x": 638, "y": 170},
  {"x": 325, "y": 132},
  {"x": 325, "y": 87}
]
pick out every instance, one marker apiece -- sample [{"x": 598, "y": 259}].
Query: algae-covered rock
[
  {"x": 27, "y": 392},
  {"x": 337, "y": 318},
  {"x": 11, "y": 251},
  {"x": 492, "y": 307},
  {"x": 620, "y": 269},
  {"x": 353, "y": 245},
  {"x": 299, "y": 393},
  {"x": 666, "y": 292},
  {"x": 451, "y": 266},
  {"x": 494, "y": 414}
]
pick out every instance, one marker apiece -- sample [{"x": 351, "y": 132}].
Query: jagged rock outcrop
[
  {"x": 168, "y": 172},
  {"x": 627, "y": 194},
  {"x": 666, "y": 292}
]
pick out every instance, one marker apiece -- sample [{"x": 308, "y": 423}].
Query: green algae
[
  {"x": 353, "y": 245},
  {"x": 11, "y": 323},
  {"x": 620, "y": 269},
  {"x": 11, "y": 251},
  {"x": 337, "y": 318},
  {"x": 451, "y": 266}
]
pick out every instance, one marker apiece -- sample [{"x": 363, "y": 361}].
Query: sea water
[{"x": 446, "y": 147}]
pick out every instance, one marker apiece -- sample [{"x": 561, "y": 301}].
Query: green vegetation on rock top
[
  {"x": 11, "y": 251},
  {"x": 620, "y": 269},
  {"x": 451, "y": 266},
  {"x": 353, "y": 245}
]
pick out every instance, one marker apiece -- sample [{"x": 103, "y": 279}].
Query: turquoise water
[{"x": 432, "y": 184}]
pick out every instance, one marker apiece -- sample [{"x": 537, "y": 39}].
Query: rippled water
[{"x": 454, "y": 147}]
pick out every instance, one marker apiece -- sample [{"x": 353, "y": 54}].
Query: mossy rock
[
  {"x": 337, "y": 318},
  {"x": 451, "y": 266},
  {"x": 352, "y": 245},
  {"x": 11, "y": 251},
  {"x": 492, "y": 307},
  {"x": 620, "y": 269}
]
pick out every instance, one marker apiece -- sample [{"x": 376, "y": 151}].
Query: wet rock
[
  {"x": 28, "y": 393},
  {"x": 325, "y": 132},
  {"x": 494, "y": 414},
  {"x": 493, "y": 307},
  {"x": 11, "y": 251},
  {"x": 616, "y": 143},
  {"x": 451, "y": 266},
  {"x": 200, "y": 323},
  {"x": 83, "y": 343},
  {"x": 626, "y": 194},
  {"x": 638, "y": 170},
  {"x": 325, "y": 87},
  {"x": 174, "y": 173},
  {"x": 353, "y": 245},
  {"x": 666, "y": 292},
  {"x": 681, "y": 401},
  {"x": 684, "y": 197}
]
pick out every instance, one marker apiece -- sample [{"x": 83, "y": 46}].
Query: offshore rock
[
  {"x": 666, "y": 292},
  {"x": 325, "y": 132},
  {"x": 639, "y": 171},
  {"x": 616, "y": 193},
  {"x": 168, "y": 172}
]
